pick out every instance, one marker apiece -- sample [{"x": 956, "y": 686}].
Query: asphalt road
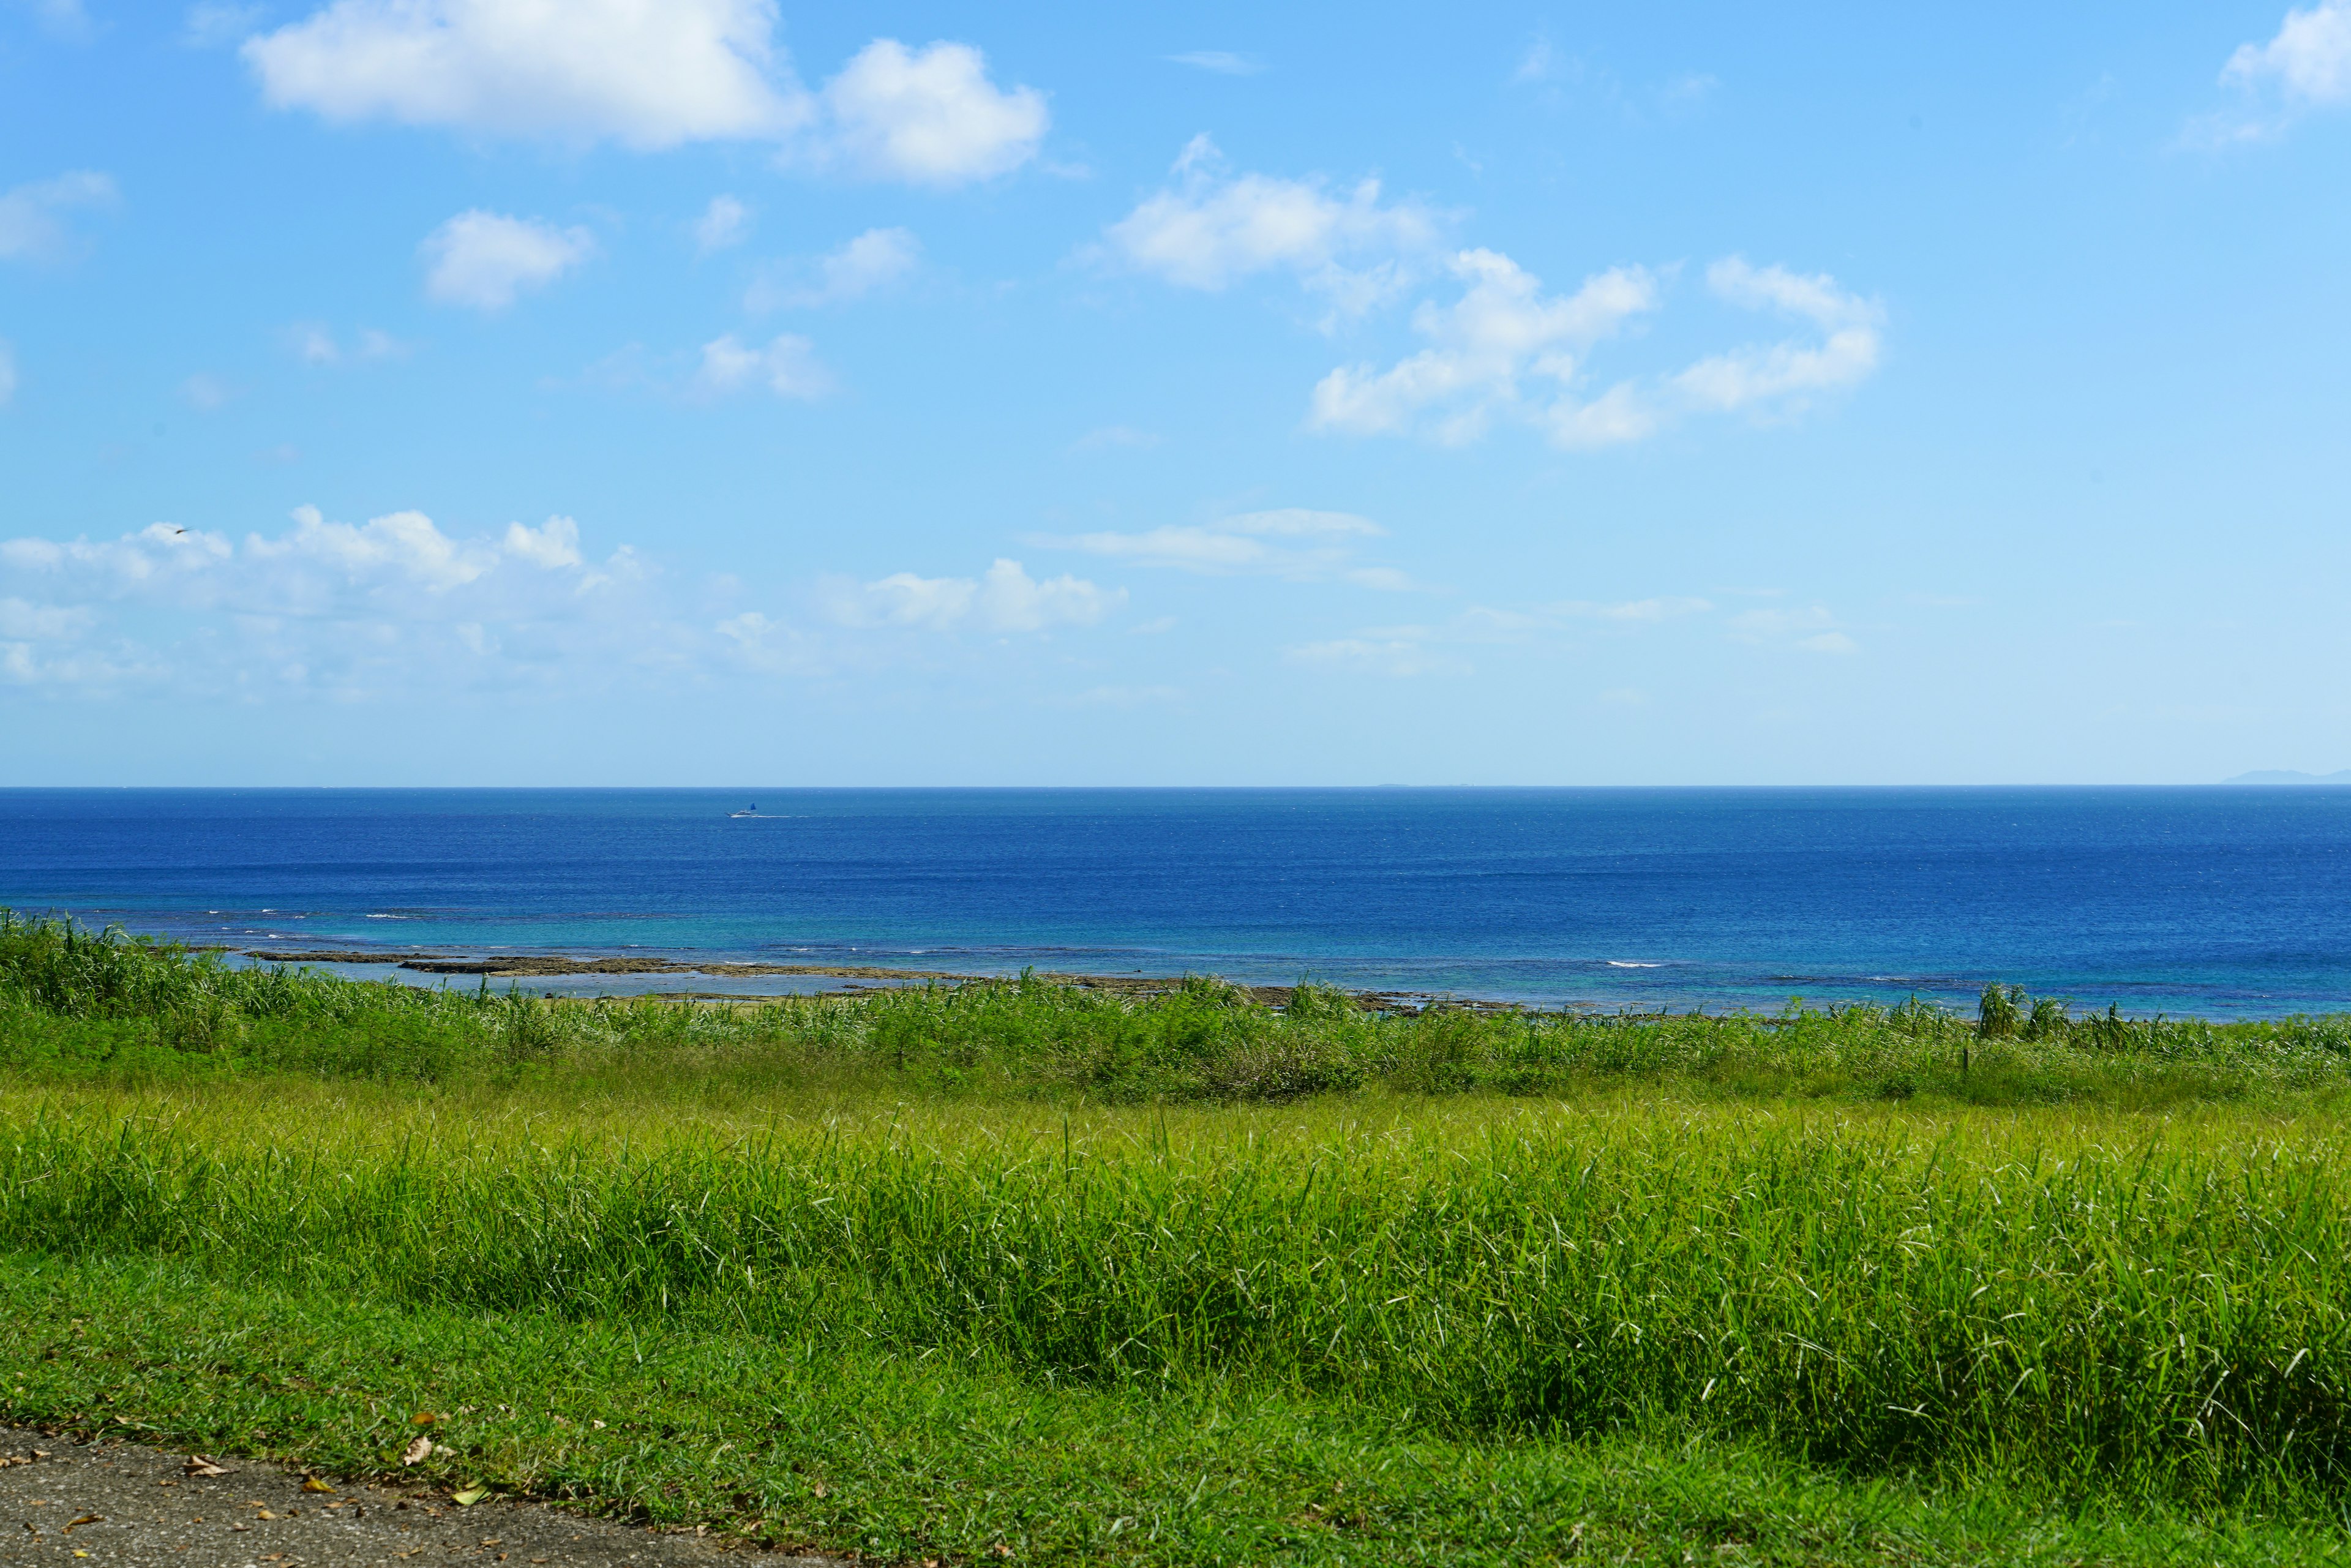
[{"x": 65, "y": 1504}]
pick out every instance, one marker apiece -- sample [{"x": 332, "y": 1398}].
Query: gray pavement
[{"x": 124, "y": 1505}]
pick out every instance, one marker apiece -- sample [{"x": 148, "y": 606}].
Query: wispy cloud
[
  {"x": 873, "y": 261},
  {"x": 317, "y": 344},
  {"x": 1003, "y": 599},
  {"x": 1292, "y": 542},
  {"x": 1223, "y": 62},
  {"x": 724, "y": 222},
  {"x": 1211, "y": 229},
  {"x": 786, "y": 365},
  {"x": 1812, "y": 629},
  {"x": 1398, "y": 658},
  {"x": 1505, "y": 350},
  {"x": 33, "y": 225}
]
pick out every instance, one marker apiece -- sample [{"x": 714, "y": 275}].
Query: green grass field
[{"x": 1019, "y": 1270}]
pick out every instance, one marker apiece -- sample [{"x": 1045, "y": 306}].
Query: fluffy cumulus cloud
[
  {"x": 483, "y": 260},
  {"x": 927, "y": 116},
  {"x": 650, "y": 74},
  {"x": 1507, "y": 350},
  {"x": 1291, "y": 542},
  {"x": 646, "y": 73},
  {"x": 1004, "y": 599},
  {"x": 1485, "y": 349},
  {"x": 2309, "y": 60},
  {"x": 346, "y": 609},
  {"x": 787, "y": 366},
  {"x": 398, "y": 603},
  {"x": 32, "y": 216},
  {"x": 2305, "y": 66},
  {"x": 1210, "y": 228}
]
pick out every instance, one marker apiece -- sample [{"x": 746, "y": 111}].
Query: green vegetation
[
  {"x": 1187, "y": 1279},
  {"x": 77, "y": 1005}
]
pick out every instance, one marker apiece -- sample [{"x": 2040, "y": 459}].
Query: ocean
[{"x": 2223, "y": 902}]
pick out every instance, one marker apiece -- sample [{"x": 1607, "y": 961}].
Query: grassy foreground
[{"x": 1016, "y": 1270}]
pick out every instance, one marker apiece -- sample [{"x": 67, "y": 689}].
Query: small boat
[{"x": 751, "y": 811}]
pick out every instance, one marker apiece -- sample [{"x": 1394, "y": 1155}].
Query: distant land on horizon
[{"x": 2288, "y": 776}]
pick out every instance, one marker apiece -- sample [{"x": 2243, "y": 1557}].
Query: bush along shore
[
  {"x": 1015, "y": 1269},
  {"x": 80, "y": 1002}
]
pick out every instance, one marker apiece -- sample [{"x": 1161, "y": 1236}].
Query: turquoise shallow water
[{"x": 2221, "y": 901}]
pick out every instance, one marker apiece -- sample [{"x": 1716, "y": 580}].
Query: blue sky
[{"x": 711, "y": 391}]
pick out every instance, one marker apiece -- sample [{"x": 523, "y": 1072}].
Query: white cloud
[
  {"x": 348, "y": 608},
  {"x": 1004, "y": 599},
  {"x": 553, "y": 543},
  {"x": 1847, "y": 353},
  {"x": 32, "y": 216},
  {"x": 927, "y": 116},
  {"x": 1291, "y": 542},
  {"x": 649, "y": 73},
  {"x": 1224, "y": 62},
  {"x": 314, "y": 565},
  {"x": 646, "y": 73},
  {"x": 400, "y": 545},
  {"x": 2309, "y": 60},
  {"x": 1501, "y": 331},
  {"x": 2307, "y": 66},
  {"x": 1507, "y": 350},
  {"x": 787, "y": 366},
  {"x": 1207, "y": 231},
  {"x": 485, "y": 259},
  {"x": 724, "y": 222},
  {"x": 398, "y": 605},
  {"x": 873, "y": 260},
  {"x": 7, "y": 372}
]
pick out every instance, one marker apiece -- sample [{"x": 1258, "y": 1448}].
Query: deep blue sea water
[{"x": 2220, "y": 901}]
